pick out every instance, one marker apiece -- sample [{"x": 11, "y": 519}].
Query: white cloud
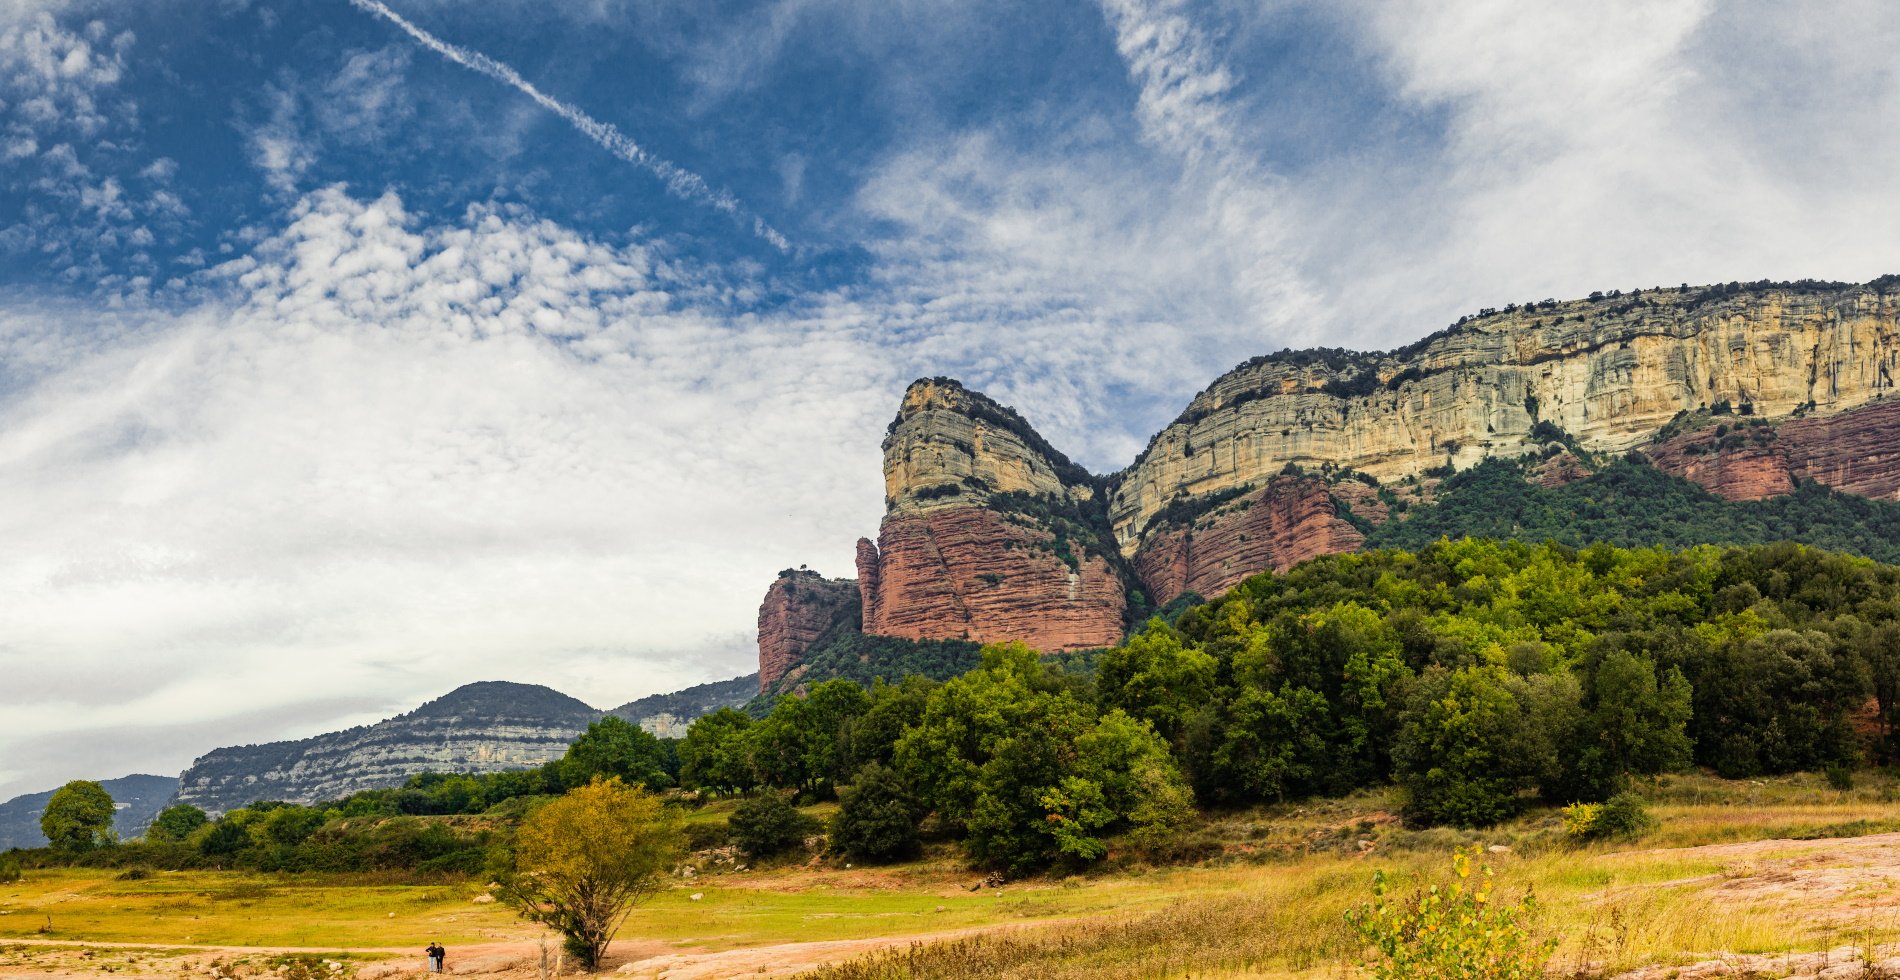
[{"x": 408, "y": 456}]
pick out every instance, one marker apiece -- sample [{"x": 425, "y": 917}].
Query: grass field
[{"x": 1733, "y": 868}]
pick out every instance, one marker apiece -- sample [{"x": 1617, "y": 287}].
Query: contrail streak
[{"x": 683, "y": 183}]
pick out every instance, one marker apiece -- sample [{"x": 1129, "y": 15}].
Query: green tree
[
  {"x": 1155, "y": 677},
  {"x": 78, "y": 817},
  {"x": 768, "y": 824},
  {"x": 177, "y": 822},
  {"x": 1635, "y": 725},
  {"x": 1010, "y": 754},
  {"x": 1455, "y": 755},
  {"x": 716, "y": 754},
  {"x": 584, "y": 861},
  {"x": 877, "y": 818},
  {"x": 615, "y": 748}
]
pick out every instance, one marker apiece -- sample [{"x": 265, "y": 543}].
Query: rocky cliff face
[
  {"x": 1278, "y": 526},
  {"x": 797, "y": 610},
  {"x": 1610, "y": 371},
  {"x": 1856, "y": 451},
  {"x": 485, "y": 727},
  {"x": 989, "y": 533}
]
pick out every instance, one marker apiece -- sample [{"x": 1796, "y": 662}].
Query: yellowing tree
[{"x": 585, "y": 860}]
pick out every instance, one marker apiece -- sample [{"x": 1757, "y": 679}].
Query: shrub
[
  {"x": 877, "y": 817},
  {"x": 9, "y": 869},
  {"x": 769, "y": 824},
  {"x": 1624, "y": 816},
  {"x": 706, "y": 836},
  {"x": 1839, "y": 777},
  {"x": 1451, "y": 932},
  {"x": 1580, "y": 819}
]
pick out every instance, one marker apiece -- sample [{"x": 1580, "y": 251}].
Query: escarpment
[
  {"x": 798, "y": 608},
  {"x": 1609, "y": 371},
  {"x": 991, "y": 534}
]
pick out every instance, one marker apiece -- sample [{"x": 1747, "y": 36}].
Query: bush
[
  {"x": 1451, "y": 932},
  {"x": 9, "y": 869},
  {"x": 1839, "y": 777},
  {"x": 1624, "y": 816},
  {"x": 768, "y": 824},
  {"x": 877, "y": 817},
  {"x": 706, "y": 836}
]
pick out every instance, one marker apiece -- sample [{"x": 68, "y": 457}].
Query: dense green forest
[
  {"x": 1476, "y": 675},
  {"x": 1631, "y": 504}
]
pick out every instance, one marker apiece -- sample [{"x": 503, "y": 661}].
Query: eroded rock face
[
  {"x": 1611, "y": 372},
  {"x": 989, "y": 533},
  {"x": 484, "y": 727},
  {"x": 969, "y": 573},
  {"x": 1856, "y": 451},
  {"x": 798, "y": 608},
  {"x": 1278, "y": 526}
]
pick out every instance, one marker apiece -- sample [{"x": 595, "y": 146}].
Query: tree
[
  {"x": 177, "y": 822},
  {"x": 615, "y": 748},
  {"x": 877, "y": 817},
  {"x": 1155, "y": 677},
  {"x": 584, "y": 861},
  {"x": 1455, "y": 754},
  {"x": 769, "y": 824},
  {"x": 717, "y": 753},
  {"x": 78, "y": 817}
]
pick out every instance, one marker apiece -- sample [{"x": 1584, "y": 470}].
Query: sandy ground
[{"x": 64, "y": 959}]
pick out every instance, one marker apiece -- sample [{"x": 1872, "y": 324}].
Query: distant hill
[
  {"x": 483, "y": 727},
  {"x": 139, "y": 799},
  {"x": 668, "y": 715}
]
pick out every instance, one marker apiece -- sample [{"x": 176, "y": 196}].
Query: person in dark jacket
[{"x": 437, "y": 954}]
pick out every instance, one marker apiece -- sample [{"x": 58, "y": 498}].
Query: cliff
[
  {"x": 992, "y": 534},
  {"x": 1611, "y": 371},
  {"x": 484, "y": 727},
  {"x": 989, "y": 535},
  {"x": 669, "y": 715},
  {"x": 798, "y": 608}
]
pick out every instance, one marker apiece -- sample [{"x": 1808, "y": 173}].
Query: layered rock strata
[
  {"x": 1857, "y": 451},
  {"x": 989, "y": 534},
  {"x": 797, "y": 610},
  {"x": 1278, "y": 526},
  {"x": 483, "y": 727},
  {"x": 1610, "y": 371}
]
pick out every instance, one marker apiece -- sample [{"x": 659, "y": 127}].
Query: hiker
[{"x": 436, "y": 955}]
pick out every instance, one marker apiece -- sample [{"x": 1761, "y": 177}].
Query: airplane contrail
[{"x": 682, "y": 182}]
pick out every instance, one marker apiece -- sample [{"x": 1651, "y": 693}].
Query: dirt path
[{"x": 517, "y": 960}]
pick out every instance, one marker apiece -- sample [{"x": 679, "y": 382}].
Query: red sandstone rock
[
  {"x": 798, "y": 608},
  {"x": 1279, "y": 526},
  {"x": 1855, "y": 452},
  {"x": 975, "y": 574}
]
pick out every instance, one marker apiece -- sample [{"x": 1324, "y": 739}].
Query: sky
[{"x": 353, "y": 350}]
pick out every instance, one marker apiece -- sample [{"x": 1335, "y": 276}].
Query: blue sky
[{"x": 335, "y": 372}]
